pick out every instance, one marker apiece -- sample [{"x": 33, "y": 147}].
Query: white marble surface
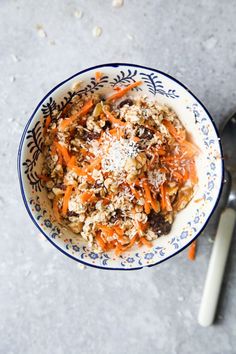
[{"x": 47, "y": 304}]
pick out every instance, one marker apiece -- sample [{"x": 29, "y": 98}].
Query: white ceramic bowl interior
[{"x": 157, "y": 86}]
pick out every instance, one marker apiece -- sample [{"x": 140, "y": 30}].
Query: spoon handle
[{"x": 216, "y": 268}]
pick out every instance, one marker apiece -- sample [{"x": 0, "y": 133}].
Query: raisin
[
  {"x": 72, "y": 213},
  {"x": 145, "y": 133},
  {"x": 90, "y": 135},
  {"x": 117, "y": 215},
  {"x": 60, "y": 186},
  {"x": 158, "y": 223},
  {"x": 128, "y": 101},
  {"x": 107, "y": 125}
]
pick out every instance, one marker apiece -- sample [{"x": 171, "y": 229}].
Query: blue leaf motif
[
  {"x": 93, "y": 255},
  {"x": 205, "y": 130},
  {"x": 213, "y": 165},
  {"x": 210, "y": 185},
  {"x": 154, "y": 85},
  {"x": 176, "y": 246},
  {"x": 54, "y": 235},
  {"x": 184, "y": 234},
  {"x": 75, "y": 248},
  {"x": 47, "y": 223},
  {"x": 37, "y": 207},
  {"x": 123, "y": 78},
  {"x": 104, "y": 262},
  {"x": 149, "y": 255}
]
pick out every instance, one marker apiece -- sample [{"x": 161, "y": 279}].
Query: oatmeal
[{"x": 117, "y": 169}]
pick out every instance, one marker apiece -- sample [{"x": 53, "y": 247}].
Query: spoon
[{"x": 225, "y": 229}]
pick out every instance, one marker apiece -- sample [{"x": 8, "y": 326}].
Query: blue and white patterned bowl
[{"x": 156, "y": 85}]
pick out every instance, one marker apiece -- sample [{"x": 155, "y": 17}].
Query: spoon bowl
[{"x": 229, "y": 148}]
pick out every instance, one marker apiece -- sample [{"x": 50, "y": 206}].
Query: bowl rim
[{"x": 20, "y": 150}]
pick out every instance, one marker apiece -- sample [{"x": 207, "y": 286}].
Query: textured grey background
[{"x": 47, "y": 304}]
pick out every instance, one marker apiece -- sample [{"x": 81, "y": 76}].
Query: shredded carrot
[
  {"x": 113, "y": 120},
  {"x": 178, "y": 176},
  {"x": 168, "y": 203},
  {"x": 100, "y": 241},
  {"x": 53, "y": 150},
  {"x": 155, "y": 205},
  {"x": 135, "y": 192},
  {"x": 189, "y": 149},
  {"x": 149, "y": 198},
  {"x": 136, "y": 139},
  {"x": 192, "y": 251},
  {"x": 132, "y": 242},
  {"x": 147, "y": 208},
  {"x": 123, "y": 91},
  {"x": 113, "y": 131},
  {"x": 98, "y": 76},
  {"x": 84, "y": 152},
  {"x": 47, "y": 123},
  {"x": 84, "y": 110},
  {"x": 142, "y": 226},
  {"x": 198, "y": 200},
  {"x": 161, "y": 152},
  {"x": 90, "y": 179},
  {"x": 44, "y": 178},
  {"x": 118, "y": 250},
  {"x": 94, "y": 164},
  {"x": 163, "y": 197},
  {"x": 119, "y": 230},
  {"x": 60, "y": 160},
  {"x": 178, "y": 135},
  {"x": 72, "y": 166},
  {"x": 66, "y": 199},
  {"x": 185, "y": 174},
  {"x": 147, "y": 191},
  {"x": 56, "y": 210},
  {"x": 86, "y": 196},
  {"x": 63, "y": 150},
  {"x": 192, "y": 173},
  {"x": 146, "y": 242},
  {"x": 108, "y": 231}
]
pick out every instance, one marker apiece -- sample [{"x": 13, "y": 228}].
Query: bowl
[{"x": 156, "y": 85}]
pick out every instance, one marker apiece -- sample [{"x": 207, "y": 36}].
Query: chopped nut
[
  {"x": 57, "y": 191},
  {"x": 49, "y": 184},
  {"x": 108, "y": 182},
  {"x": 51, "y": 195},
  {"x": 76, "y": 226}
]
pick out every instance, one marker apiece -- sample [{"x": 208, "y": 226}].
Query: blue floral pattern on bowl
[{"x": 156, "y": 85}]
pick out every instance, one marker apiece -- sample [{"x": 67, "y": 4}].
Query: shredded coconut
[
  {"x": 118, "y": 153},
  {"x": 156, "y": 178}
]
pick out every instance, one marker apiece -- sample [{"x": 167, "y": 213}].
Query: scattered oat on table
[
  {"x": 78, "y": 13},
  {"x": 15, "y": 58},
  {"x": 130, "y": 37},
  {"x": 117, "y": 3},
  {"x": 97, "y": 31},
  {"x": 41, "y": 32},
  {"x": 81, "y": 266},
  {"x": 12, "y": 78}
]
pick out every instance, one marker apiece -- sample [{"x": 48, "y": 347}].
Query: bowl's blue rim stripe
[{"x": 20, "y": 154}]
